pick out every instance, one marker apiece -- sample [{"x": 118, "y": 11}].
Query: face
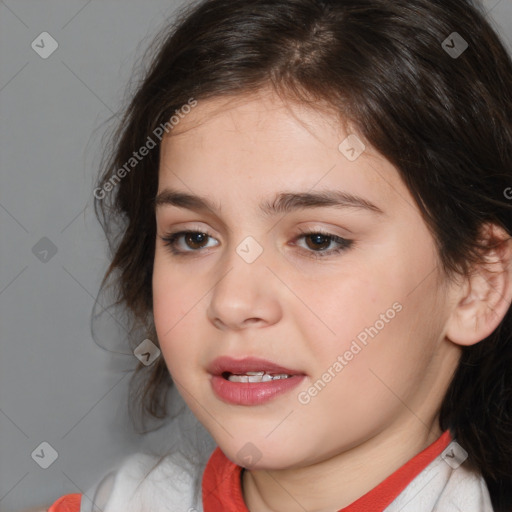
[{"x": 343, "y": 297}]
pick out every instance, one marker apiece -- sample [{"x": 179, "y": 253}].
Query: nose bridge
[
  {"x": 243, "y": 292},
  {"x": 248, "y": 241},
  {"x": 243, "y": 262}
]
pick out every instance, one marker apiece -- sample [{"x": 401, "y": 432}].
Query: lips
[
  {"x": 251, "y": 391},
  {"x": 223, "y": 366},
  {"x": 246, "y": 391}
]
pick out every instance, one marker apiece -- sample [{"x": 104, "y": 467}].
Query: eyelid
[{"x": 343, "y": 244}]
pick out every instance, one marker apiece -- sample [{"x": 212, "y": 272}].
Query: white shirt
[{"x": 175, "y": 486}]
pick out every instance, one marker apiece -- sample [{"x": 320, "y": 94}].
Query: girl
[{"x": 320, "y": 248}]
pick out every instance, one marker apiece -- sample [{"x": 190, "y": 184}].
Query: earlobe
[{"x": 485, "y": 297}]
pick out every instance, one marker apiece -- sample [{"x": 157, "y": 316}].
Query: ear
[{"x": 484, "y": 298}]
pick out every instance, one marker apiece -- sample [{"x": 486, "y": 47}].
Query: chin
[{"x": 259, "y": 456}]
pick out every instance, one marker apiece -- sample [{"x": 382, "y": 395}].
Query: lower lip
[{"x": 252, "y": 393}]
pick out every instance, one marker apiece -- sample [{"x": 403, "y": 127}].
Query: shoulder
[
  {"x": 67, "y": 503},
  {"x": 444, "y": 487},
  {"x": 140, "y": 482},
  {"x": 36, "y": 509},
  {"x": 145, "y": 481},
  {"x": 467, "y": 490}
]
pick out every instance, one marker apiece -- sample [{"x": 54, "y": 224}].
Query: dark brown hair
[{"x": 444, "y": 120}]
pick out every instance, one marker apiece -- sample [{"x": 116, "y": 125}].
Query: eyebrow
[{"x": 283, "y": 202}]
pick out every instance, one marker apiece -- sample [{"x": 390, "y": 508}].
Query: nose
[{"x": 246, "y": 295}]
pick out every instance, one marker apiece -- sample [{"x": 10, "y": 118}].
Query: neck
[{"x": 338, "y": 481}]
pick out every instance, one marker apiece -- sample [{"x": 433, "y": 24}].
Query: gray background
[{"x": 56, "y": 385}]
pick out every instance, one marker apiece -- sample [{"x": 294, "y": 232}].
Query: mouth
[
  {"x": 253, "y": 368},
  {"x": 260, "y": 376},
  {"x": 251, "y": 381}
]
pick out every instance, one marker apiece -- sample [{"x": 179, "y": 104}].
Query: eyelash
[{"x": 344, "y": 243}]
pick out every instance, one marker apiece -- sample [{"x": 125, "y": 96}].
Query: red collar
[{"x": 222, "y": 486}]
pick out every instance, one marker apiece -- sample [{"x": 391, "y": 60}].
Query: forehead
[
  {"x": 259, "y": 139},
  {"x": 262, "y": 110}
]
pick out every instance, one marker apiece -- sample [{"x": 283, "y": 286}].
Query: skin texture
[{"x": 302, "y": 312}]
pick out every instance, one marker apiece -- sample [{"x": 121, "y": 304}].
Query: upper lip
[{"x": 227, "y": 364}]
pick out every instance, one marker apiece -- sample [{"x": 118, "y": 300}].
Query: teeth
[{"x": 257, "y": 377}]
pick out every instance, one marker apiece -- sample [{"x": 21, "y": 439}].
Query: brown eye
[
  {"x": 195, "y": 240},
  {"x": 319, "y": 241}
]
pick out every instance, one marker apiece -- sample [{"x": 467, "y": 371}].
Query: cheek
[
  {"x": 167, "y": 308},
  {"x": 343, "y": 312},
  {"x": 388, "y": 355},
  {"x": 372, "y": 322},
  {"x": 172, "y": 308},
  {"x": 369, "y": 381}
]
